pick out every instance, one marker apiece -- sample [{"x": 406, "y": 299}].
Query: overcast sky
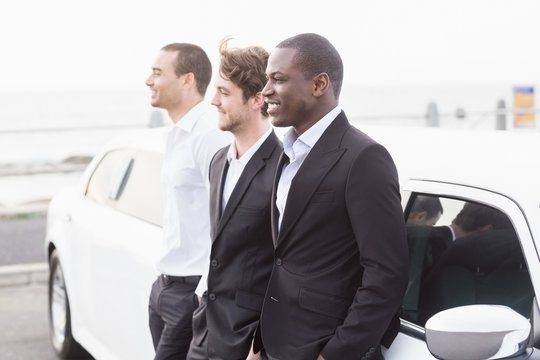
[{"x": 104, "y": 44}]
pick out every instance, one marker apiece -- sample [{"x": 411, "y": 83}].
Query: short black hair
[
  {"x": 192, "y": 59},
  {"x": 474, "y": 216},
  {"x": 430, "y": 204},
  {"x": 315, "y": 55}
]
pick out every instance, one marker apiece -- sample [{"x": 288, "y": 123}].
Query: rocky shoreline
[{"x": 69, "y": 164}]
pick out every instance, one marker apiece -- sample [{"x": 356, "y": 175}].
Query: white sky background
[{"x": 108, "y": 44}]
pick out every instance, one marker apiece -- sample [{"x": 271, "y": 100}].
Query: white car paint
[{"x": 108, "y": 256}]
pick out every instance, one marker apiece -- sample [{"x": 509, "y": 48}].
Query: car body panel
[{"x": 108, "y": 260}]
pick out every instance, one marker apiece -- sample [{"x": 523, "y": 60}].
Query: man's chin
[
  {"x": 276, "y": 121},
  {"x": 223, "y": 125}
]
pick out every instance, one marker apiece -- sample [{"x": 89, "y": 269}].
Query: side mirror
[{"x": 477, "y": 332}]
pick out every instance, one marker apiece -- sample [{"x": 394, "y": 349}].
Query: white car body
[
  {"x": 107, "y": 256},
  {"x": 497, "y": 168},
  {"x": 108, "y": 261}
]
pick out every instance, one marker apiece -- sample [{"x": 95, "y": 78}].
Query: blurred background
[{"x": 72, "y": 73}]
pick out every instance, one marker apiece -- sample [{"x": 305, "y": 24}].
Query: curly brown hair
[{"x": 244, "y": 67}]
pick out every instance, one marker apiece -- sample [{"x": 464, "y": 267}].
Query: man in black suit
[
  {"x": 241, "y": 178},
  {"x": 340, "y": 268}
]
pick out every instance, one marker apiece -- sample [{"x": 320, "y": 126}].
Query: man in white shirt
[
  {"x": 180, "y": 76},
  {"x": 241, "y": 178}
]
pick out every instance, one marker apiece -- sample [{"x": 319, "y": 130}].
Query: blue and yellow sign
[{"x": 524, "y": 116}]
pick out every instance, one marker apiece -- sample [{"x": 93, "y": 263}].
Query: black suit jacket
[
  {"x": 242, "y": 251},
  {"x": 340, "y": 268}
]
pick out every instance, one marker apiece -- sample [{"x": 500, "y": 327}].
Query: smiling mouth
[{"x": 273, "y": 107}]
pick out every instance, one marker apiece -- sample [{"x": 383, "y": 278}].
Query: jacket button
[
  {"x": 214, "y": 263},
  {"x": 211, "y": 296},
  {"x": 279, "y": 262}
]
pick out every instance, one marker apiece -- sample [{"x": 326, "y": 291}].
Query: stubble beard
[{"x": 230, "y": 124}]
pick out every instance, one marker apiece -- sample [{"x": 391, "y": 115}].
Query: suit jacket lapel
[
  {"x": 283, "y": 159},
  {"x": 317, "y": 164},
  {"x": 218, "y": 175},
  {"x": 255, "y": 164}
]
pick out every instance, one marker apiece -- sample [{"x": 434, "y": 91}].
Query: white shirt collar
[
  {"x": 311, "y": 135},
  {"x": 188, "y": 121},
  {"x": 453, "y": 232},
  {"x": 231, "y": 154}
]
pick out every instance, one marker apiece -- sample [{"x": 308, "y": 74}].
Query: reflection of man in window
[
  {"x": 471, "y": 219},
  {"x": 474, "y": 218},
  {"x": 432, "y": 246},
  {"x": 426, "y": 210},
  {"x": 484, "y": 265}
]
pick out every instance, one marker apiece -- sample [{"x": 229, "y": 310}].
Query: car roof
[{"x": 505, "y": 162}]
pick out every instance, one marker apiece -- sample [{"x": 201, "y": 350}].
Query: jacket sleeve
[{"x": 373, "y": 203}]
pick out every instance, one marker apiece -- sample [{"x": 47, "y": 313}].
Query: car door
[
  {"x": 117, "y": 232},
  {"x": 441, "y": 279}
]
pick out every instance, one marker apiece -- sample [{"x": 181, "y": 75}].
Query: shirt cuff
[{"x": 203, "y": 284}]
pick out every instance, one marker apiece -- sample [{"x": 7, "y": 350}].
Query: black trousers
[{"x": 170, "y": 310}]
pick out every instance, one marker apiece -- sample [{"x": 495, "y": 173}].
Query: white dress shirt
[
  {"x": 297, "y": 149},
  {"x": 236, "y": 166},
  {"x": 191, "y": 144}
]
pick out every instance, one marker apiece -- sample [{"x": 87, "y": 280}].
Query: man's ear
[
  {"x": 321, "y": 84},
  {"x": 257, "y": 100},
  {"x": 418, "y": 215},
  {"x": 422, "y": 215},
  {"x": 188, "y": 79}
]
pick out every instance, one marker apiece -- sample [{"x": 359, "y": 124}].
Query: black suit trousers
[{"x": 170, "y": 310}]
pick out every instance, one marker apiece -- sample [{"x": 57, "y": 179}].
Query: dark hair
[
  {"x": 315, "y": 55},
  {"x": 430, "y": 204},
  {"x": 245, "y": 68},
  {"x": 192, "y": 59},
  {"x": 474, "y": 216}
]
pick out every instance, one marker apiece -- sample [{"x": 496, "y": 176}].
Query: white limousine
[{"x": 470, "y": 296}]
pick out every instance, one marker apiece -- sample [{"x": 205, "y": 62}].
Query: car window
[
  {"x": 470, "y": 255},
  {"x": 142, "y": 196},
  {"x": 129, "y": 181},
  {"x": 105, "y": 179},
  {"x": 120, "y": 178}
]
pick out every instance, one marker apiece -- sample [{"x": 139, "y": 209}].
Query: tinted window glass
[{"x": 469, "y": 255}]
